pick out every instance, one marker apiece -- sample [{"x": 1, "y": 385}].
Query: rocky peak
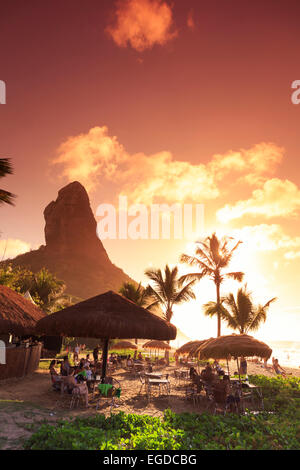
[{"x": 70, "y": 223}]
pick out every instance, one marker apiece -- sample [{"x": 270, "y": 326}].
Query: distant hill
[{"x": 181, "y": 339}]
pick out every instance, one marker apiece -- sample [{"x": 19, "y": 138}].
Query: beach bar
[{"x": 18, "y": 318}]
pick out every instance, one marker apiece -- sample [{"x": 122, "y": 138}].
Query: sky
[{"x": 163, "y": 102}]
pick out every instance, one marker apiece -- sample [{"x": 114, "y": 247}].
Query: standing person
[
  {"x": 76, "y": 352},
  {"x": 243, "y": 367},
  {"x": 95, "y": 354}
]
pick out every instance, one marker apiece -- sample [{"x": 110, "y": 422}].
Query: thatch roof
[
  {"x": 108, "y": 315},
  {"x": 190, "y": 347},
  {"x": 123, "y": 345},
  {"x": 156, "y": 345},
  {"x": 235, "y": 346},
  {"x": 17, "y": 315}
]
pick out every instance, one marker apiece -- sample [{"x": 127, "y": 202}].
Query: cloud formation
[
  {"x": 277, "y": 198},
  {"x": 190, "y": 20},
  {"x": 266, "y": 237},
  {"x": 142, "y": 24},
  {"x": 10, "y": 248},
  {"x": 253, "y": 164},
  {"x": 96, "y": 157}
]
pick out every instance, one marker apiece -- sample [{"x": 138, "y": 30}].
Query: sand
[{"x": 32, "y": 399}]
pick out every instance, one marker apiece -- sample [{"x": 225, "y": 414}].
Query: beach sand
[
  {"x": 36, "y": 389},
  {"x": 32, "y": 399}
]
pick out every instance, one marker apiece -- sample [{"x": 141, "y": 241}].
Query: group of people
[
  {"x": 275, "y": 367},
  {"x": 216, "y": 382},
  {"x": 71, "y": 378},
  {"x": 78, "y": 376}
]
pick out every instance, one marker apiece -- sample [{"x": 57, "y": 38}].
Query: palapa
[
  {"x": 190, "y": 347},
  {"x": 124, "y": 345},
  {"x": 235, "y": 346},
  {"x": 17, "y": 315},
  {"x": 107, "y": 316},
  {"x": 156, "y": 345}
]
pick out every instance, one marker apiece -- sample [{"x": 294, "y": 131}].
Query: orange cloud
[
  {"x": 10, "y": 248},
  {"x": 142, "y": 24},
  {"x": 253, "y": 163},
  {"x": 96, "y": 157},
  {"x": 277, "y": 198},
  {"x": 190, "y": 20}
]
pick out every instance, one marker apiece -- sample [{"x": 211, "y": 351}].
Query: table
[
  {"x": 182, "y": 374},
  {"x": 157, "y": 383},
  {"x": 251, "y": 389},
  {"x": 153, "y": 375}
]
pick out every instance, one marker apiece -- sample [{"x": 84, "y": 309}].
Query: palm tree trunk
[{"x": 218, "y": 307}]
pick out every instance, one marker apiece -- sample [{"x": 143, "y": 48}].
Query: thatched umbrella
[
  {"x": 225, "y": 347},
  {"x": 156, "y": 345},
  {"x": 17, "y": 314},
  {"x": 124, "y": 345},
  {"x": 107, "y": 316},
  {"x": 190, "y": 347}
]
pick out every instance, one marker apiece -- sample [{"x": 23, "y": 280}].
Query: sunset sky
[{"x": 183, "y": 101}]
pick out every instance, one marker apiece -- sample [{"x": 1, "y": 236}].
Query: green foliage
[
  {"x": 45, "y": 289},
  {"x": 264, "y": 431},
  {"x": 240, "y": 314},
  {"x": 281, "y": 395},
  {"x": 134, "y": 293}
]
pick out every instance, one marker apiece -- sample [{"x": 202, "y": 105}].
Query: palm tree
[
  {"x": 212, "y": 256},
  {"x": 168, "y": 290},
  {"x": 133, "y": 293},
  {"x": 5, "y": 169},
  {"x": 241, "y": 314},
  {"x": 47, "y": 288}
]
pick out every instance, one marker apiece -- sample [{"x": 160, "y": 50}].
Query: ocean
[{"x": 287, "y": 353}]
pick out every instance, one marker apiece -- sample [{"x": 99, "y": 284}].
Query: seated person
[
  {"x": 140, "y": 357},
  {"x": 55, "y": 377},
  {"x": 277, "y": 368},
  {"x": 218, "y": 368},
  {"x": 81, "y": 371},
  {"x": 222, "y": 391},
  {"x": 89, "y": 372},
  {"x": 65, "y": 368},
  {"x": 78, "y": 385},
  {"x": 129, "y": 361},
  {"x": 207, "y": 374},
  {"x": 87, "y": 359},
  {"x": 193, "y": 373},
  {"x": 113, "y": 359},
  {"x": 82, "y": 363}
]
